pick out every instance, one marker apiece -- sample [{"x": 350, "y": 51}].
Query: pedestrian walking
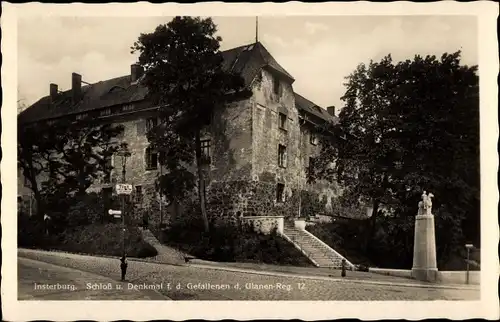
[
  {"x": 344, "y": 267},
  {"x": 123, "y": 266}
]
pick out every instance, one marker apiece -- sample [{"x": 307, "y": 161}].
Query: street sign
[
  {"x": 123, "y": 189},
  {"x": 114, "y": 212},
  {"x": 469, "y": 245}
]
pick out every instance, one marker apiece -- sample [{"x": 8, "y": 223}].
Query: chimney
[
  {"x": 331, "y": 110},
  {"x": 53, "y": 92},
  {"x": 76, "y": 87},
  {"x": 136, "y": 72}
]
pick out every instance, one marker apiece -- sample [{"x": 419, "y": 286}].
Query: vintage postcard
[{"x": 249, "y": 161}]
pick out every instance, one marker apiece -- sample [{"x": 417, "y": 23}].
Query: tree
[
  {"x": 61, "y": 159},
  {"x": 413, "y": 126},
  {"x": 81, "y": 152},
  {"x": 185, "y": 78},
  {"x": 32, "y": 142}
]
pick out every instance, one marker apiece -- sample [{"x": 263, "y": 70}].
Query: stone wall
[
  {"x": 317, "y": 197},
  {"x": 231, "y": 142},
  {"x": 233, "y": 200},
  {"x": 265, "y": 224}
]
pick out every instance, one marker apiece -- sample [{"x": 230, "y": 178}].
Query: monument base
[{"x": 425, "y": 274}]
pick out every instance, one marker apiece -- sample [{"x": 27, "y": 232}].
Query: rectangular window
[
  {"x": 310, "y": 170},
  {"x": 276, "y": 85},
  {"x": 151, "y": 159},
  {"x": 141, "y": 128},
  {"x": 106, "y": 112},
  {"x": 138, "y": 194},
  {"x": 151, "y": 123},
  {"x": 161, "y": 158},
  {"x": 81, "y": 116},
  {"x": 313, "y": 139},
  {"x": 282, "y": 121},
  {"x": 205, "y": 151},
  {"x": 280, "y": 193},
  {"x": 127, "y": 108},
  {"x": 282, "y": 156}
]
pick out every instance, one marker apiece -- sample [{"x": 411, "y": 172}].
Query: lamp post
[
  {"x": 160, "y": 232},
  {"x": 124, "y": 153}
]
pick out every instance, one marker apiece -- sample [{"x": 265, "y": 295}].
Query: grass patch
[
  {"x": 232, "y": 243},
  {"x": 94, "y": 239},
  {"x": 328, "y": 234}
]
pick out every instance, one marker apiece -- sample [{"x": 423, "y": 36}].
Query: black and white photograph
[{"x": 198, "y": 157}]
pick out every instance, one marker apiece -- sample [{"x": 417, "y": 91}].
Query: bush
[
  {"x": 232, "y": 243},
  {"x": 32, "y": 233},
  {"x": 86, "y": 210},
  {"x": 346, "y": 237},
  {"x": 105, "y": 239},
  {"x": 98, "y": 239}
]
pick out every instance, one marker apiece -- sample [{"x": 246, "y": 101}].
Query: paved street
[
  {"x": 43, "y": 281},
  {"x": 196, "y": 283}
]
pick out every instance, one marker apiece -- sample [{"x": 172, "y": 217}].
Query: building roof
[
  {"x": 246, "y": 60},
  {"x": 309, "y": 107}
]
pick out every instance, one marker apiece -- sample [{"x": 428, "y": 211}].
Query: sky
[{"x": 318, "y": 51}]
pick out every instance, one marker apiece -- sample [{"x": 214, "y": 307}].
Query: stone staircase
[{"x": 319, "y": 253}]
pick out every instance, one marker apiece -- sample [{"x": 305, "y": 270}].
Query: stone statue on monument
[
  {"x": 424, "y": 247},
  {"x": 428, "y": 204},
  {"x": 425, "y": 206}
]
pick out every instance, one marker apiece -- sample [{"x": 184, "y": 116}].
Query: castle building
[{"x": 259, "y": 150}]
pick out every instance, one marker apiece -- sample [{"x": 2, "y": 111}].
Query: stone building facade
[{"x": 260, "y": 148}]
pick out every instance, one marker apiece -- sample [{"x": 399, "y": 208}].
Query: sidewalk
[{"x": 44, "y": 281}]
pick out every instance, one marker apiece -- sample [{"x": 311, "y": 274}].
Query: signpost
[
  {"x": 124, "y": 189},
  {"x": 469, "y": 247},
  {"x": 115, "y": 213}
]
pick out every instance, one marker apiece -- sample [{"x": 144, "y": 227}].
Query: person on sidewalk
[{"x": 123, "y": 266}]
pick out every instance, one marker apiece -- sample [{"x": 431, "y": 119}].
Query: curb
[
  {"x": 333, "y": 279},
  {"x": 132, "y": 259}
]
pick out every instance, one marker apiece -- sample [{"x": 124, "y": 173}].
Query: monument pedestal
[{"x": 424, "y": 249}]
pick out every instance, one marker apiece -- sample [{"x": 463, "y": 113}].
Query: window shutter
[
  {"x": 285, "y": 158},
  {"x": 141, "y": 127}
]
